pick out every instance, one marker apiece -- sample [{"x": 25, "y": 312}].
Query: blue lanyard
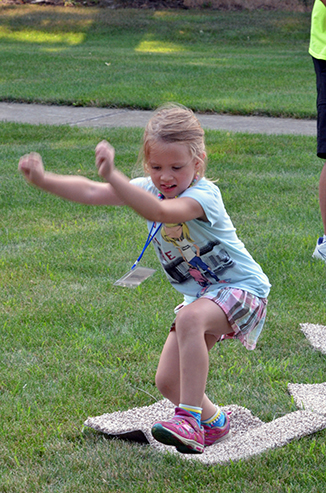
[{"x": 147, "y": 242}]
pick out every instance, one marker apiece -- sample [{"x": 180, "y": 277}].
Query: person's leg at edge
[
  {"x": 320, "y": 70},
  {"x": 322, "y": 196},
  {"x": 183, "y": 367}
]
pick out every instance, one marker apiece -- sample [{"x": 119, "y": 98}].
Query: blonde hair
[{"x": 174, "y": 123}]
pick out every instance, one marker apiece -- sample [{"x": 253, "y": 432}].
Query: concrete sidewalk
[{"x": 108, "y": 117}]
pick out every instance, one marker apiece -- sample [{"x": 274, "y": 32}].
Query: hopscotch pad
[
  {"x": 250, "y": 436},
  {"x": 311, "y": 397},
  {"x": 316, "y": 335}
]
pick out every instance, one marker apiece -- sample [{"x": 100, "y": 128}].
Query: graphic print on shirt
[{"x": 201, "y": 264}]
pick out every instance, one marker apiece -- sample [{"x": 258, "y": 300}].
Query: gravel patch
[
  {"x": 311, "y": 397},
  {"x": 316, "y": 335},
  {"x": 250, "y": 436}
]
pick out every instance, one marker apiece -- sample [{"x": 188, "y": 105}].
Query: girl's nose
[{"x": 166, "y": 176}]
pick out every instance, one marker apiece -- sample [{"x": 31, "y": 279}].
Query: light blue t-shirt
[{"x": 203, "y": 257}]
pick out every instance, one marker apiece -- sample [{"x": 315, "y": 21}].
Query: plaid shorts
[{"x": 245, "y": 312}]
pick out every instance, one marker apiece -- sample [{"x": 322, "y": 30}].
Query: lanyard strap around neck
[{"x": 147, "y": 242}]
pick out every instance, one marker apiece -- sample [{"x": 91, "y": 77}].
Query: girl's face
[{"x": 172, "y": 168}]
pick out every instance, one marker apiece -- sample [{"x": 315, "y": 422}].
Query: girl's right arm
[{"x": 74, "y": 188}]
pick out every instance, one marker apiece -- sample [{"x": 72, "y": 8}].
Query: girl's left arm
[{"x": 176, "y": 210}]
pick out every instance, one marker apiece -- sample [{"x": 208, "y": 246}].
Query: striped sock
[
  {"x": 195, "y": 411},
  {"x": 218, "y": 419}
]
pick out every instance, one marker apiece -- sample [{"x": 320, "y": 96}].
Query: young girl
[{"x": 197, "y": 236}]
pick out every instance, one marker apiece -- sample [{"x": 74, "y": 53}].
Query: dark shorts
[{"x": 320, "y": 69}]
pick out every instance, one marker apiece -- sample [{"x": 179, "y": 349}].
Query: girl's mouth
[{"x": 168, "y": 187}]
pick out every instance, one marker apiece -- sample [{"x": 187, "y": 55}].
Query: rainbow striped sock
[
  {"x": 218, "y": 419},
  {"x": 195, "y": 411}
]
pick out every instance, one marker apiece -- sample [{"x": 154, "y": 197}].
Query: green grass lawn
[
  {"x": 73, "y": 345},
  {"x": 237, "y": 62}
]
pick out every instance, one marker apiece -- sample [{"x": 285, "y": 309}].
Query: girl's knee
[
  {"x": 166, "y": 386},
  {"x": 161, "y": 384},
  {"x": 159, "y": 380},
  {"x": 187, "y": 318}
]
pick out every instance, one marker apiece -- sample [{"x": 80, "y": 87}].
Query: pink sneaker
[
  {"x": 217, "y": 434},
  {"x": 182, "y": 431}
]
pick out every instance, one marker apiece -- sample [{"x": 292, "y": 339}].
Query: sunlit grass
[
  {"x": 33, "y": 36},
  {"x": 152, "y": 46}
]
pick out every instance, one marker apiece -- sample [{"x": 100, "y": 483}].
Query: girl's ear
[{"x": 199, "y": 162}]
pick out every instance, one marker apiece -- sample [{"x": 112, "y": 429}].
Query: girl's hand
[
  {"x": 31, "y": 166},
  {"x": 104, "y": 159}
]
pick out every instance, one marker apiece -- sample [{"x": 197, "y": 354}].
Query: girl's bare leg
[
  {"x": 169, "y": 373},
  {"x": 197, "y": 324}
]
